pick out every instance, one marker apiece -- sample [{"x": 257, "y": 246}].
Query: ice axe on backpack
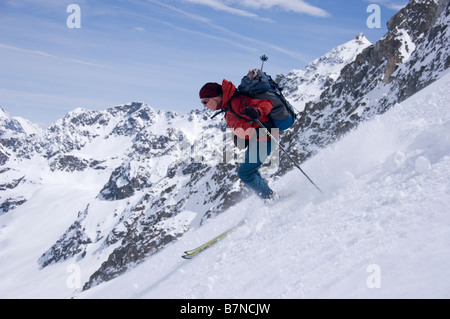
[
  {"x": 282, "y": 148},
  {"x": 263, "y": 58}
]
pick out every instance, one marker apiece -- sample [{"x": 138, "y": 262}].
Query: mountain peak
[
  {"x": 412, "y": 54},
  {"x": 9, "y": 125},
  {"x": 307, "y": 84},
  {"x": 416, "y": 17}
]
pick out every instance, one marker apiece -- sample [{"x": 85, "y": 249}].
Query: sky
[{"x": 55, "y": 57}]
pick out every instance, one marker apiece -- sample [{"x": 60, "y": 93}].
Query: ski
[{"x": 194, "y": 252}]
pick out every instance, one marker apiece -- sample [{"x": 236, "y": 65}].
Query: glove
[
  {"x": 253, "y": 74},
  {"x": 251, "y": 113}
]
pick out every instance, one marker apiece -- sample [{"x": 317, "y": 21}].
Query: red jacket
[{"x": 241, "y": 126}]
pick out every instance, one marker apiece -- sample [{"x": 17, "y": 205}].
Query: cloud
[
  {"x": 394, "y": 5},
  {"x": 298, "y": 6},
  {"x": 221, "y": 6},
  {"x": 236, "y": 39},
  {"x": 45, "y": 54},
  {"x": 186, "y": 14}
]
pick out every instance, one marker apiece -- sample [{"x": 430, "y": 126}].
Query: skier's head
[{"x": 211, "y": 95}]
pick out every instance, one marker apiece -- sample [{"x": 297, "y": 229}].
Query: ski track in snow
[{"x": 386, "y": 204}]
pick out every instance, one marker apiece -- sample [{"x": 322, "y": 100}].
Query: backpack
[{"x": 264, "y": 88}]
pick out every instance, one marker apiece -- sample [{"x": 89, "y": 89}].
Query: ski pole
[{"x": 293, "y": 161}]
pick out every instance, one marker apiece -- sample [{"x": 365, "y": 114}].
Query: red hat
[{"x": 210, "y": 90}]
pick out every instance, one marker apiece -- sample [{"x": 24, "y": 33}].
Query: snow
[
  {"x": 407, "y": 45},
  {"x": 382, "y": 229},
  {"x": 28, "y": 127},
  {"x": 422, "y": 165}
]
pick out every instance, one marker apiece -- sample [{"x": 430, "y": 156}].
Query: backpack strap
[
  {"x": 237, "y": 94},
  {"x": 219, "y": 112},
  {"x": 230, "y": 109}
]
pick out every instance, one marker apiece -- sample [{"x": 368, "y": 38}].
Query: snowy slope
[
  {"x": 384, "y": 220},
  {"x": 17, "y": 124},
  {"x": 8, "y": 123},
  {"x": 29, "y": 127},
  {"x": 66, "y": 196}
]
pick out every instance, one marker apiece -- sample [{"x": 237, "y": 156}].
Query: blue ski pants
[{"x": 257, "y": 152}]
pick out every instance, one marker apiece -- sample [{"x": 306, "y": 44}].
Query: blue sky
[{"x": 160, "y": 52}]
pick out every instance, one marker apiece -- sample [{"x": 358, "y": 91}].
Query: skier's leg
[{"x": 255, "y": 156}]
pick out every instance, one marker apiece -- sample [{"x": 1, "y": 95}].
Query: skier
[{"x": 240, "y": 114}]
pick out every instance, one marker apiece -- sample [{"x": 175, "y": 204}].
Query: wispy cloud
[
  {"x": 45, "y": 54},
  {"x": 234, "y": 38},
  {"x": 186, "y": 14},
  {"x": 298, "y": 6},
  {"x": 221, "y": 6},
  {"x": 394, "y": 5}
]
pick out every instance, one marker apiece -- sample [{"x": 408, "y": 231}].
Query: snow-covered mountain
[
  {"x": 8, "y": 124},
  {"x": 381, "y": 231},
  {"x": 413, "y": 53},
  {"x": 16, "y": 124},
  {"x": 101, "y": 191},
  {"x": 302, "y": 86},
  {"x": 142, "y": 168}
]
